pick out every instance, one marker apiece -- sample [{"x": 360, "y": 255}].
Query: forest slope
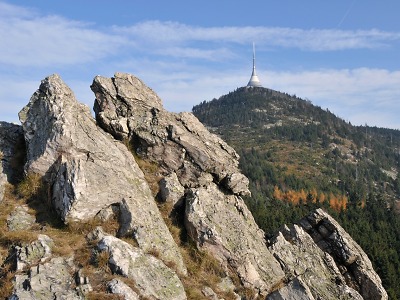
[{"x": 299, "y": 157}]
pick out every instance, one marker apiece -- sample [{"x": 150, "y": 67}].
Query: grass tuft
[
  {"x": 29, "y": 186},
  {"x": 6, "y": 285}
]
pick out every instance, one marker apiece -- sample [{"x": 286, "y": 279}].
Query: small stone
[{"x": 117, "y": 286}]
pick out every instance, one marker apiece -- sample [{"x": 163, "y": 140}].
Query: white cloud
[
  {"x": 360, "y": 95},
  {"x": 188, "y": 64},
  {"x": 29, "y": 39},
  {"x": 173, "y": 33}
]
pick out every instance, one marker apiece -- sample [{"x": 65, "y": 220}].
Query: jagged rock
[
  {"x": 226, "y": 285},
  {"x": 348, "y": 255},
  {"x": 209, "y": 293},
  {"x": 88, "y": 170},
  {"x": 96, "y": 234},
  {"x": 152, "y": 277},
  {"x": 128, "y": 109},
  {"x": 222, "y": 225},
  {"x": 116, "y": 286},
  {"x": 171, "y": 190},
  {"x": 34, "y": 253},
  {"x": 11, "y": 145},
  {"x": 20, "y": 219},
  {"x": 294, "y": 290},
  {"x": 51, "y": 280},
  {"x": 314, "y": 272}
]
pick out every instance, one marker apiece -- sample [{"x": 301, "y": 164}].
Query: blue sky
[{"x": 341, "y": 55}]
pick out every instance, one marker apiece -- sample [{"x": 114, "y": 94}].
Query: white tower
[{"x": 254, "y": 81}]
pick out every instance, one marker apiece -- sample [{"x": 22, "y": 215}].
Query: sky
[{"x": 342, "y": 55}]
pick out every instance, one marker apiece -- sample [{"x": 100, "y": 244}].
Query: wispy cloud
[
  {"x": 188, "y": 64},
  {"x": 30, "y": 39},
  {"x": 361, "y": 95},
  {"x": 312, "y": 40}
]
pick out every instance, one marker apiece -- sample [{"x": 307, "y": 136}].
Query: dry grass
[
  {"x": 29, "y": 186},
  {"x": 6, "y": 285},
  {"x": 8, "y": 238},
  {"x": 151, "y": 173},
  {"x": 203, "y": 269},
  {"x": 103, "y": 296},
  {"x": 150, "y": 169}
]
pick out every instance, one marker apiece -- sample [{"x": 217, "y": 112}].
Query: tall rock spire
[{"x": 254, "y": 81}]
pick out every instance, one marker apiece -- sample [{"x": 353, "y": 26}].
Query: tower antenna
[{"x": 254, "y": 81}]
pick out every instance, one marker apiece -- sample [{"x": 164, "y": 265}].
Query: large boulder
[
  {"x": 11, "y": 147},
  {"x": 349, "y": 257},
  {"x": 223, "y": 226},
  {"x": 313, "y": 273},
  {"x": 153, "y": 279},
  {"x": 89, "y": 172},
  {"x": 128, "y": 109}
]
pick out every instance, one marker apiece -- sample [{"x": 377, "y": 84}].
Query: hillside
[
  {"x": 142, "y": 203},
  {"x": 299, "y": 157}
]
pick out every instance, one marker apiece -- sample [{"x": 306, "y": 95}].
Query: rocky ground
[{"x": 142, "y": 203}]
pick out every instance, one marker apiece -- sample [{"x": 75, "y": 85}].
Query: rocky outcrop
[
  {"x": 89, "y": 172},
  {"x": 39, "y": 275},
  {"x": 152, "y": 277},
  {"x": 216, "y": 217},
  {"x": 322, "y": 261},
  {"x": 11, "y": 146},
  {"x": 51, "y": 280},
  {"x": 222, "y": 225},
  {"x": 128, "y": 109},
  {"x": 349, "y": 257},
  {"x": 91, "y": 175},
  {"x": 313, "y": 273}
]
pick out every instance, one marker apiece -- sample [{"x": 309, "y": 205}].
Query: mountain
[
  {"x": 299, "y": 157},
  {"x": 142, "y": 203}
]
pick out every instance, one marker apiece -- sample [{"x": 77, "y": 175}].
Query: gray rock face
[
  {"x": 152, "y": 277},
  {"x": 88, "y": 170},
  {"x": 218, "y": 222},
  {"x": 116, "y": 286},
  {"x": 222, "y": 225},
  {"x": 171, "y": 190},
  {"x": 348, "y": 255},
  {"x": 294, "y": 290},
  {"x": 20, "y": 219},
  {"x": 51, "y": 280},
  {"x": 34, "y": 253},
  {"x": 127, "y": 108},
  {"x": 11, "y": 139},
  {"x": 313, "y": 272}
]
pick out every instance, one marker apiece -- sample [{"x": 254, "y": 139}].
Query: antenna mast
[{"x": 254, "y": 81}]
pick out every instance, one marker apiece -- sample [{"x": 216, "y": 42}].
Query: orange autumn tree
[{"x": 337, "y": 203}]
